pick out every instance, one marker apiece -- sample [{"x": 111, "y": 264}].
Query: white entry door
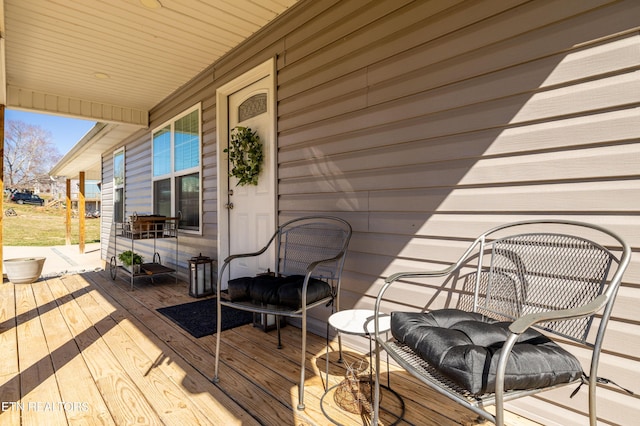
[{"x": 250, "y": 210}]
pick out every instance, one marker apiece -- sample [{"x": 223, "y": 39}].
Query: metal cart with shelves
[{"x": 143, "y": 228}]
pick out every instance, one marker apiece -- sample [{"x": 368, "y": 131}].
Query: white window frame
[
  {"x": 173, "y": 175},
  {"x": 119, "y": 151}
]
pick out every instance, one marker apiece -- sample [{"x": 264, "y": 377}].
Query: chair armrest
[
  {"x": 237, "y": 256},
  {"x": 312, "y": 266},
  {"x": 401, "y": 275},
  {"x": 434, "y": 273},
  {"x": 420, "y": 274},
  {"x": 228, "y": 259},
  {"x": 255, "y": 253},
  {"x": 526, "y": 321}
]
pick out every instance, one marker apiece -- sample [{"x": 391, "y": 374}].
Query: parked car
[{"x": 26, "y": 198}]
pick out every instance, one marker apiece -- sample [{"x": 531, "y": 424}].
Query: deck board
[
  {"x": 213, "y": 404},
  {"x": 9, "y": 369},
  {"x": 38, "y": 386},
  {"x": 88, "y": 340},
  {"x": 77, "y": 388}
]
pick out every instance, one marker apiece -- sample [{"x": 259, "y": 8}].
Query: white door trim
[{"x": 266, "y": 69}]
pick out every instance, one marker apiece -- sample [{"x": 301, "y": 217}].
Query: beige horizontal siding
[
  {"x": 415, "y": 134},
  {"x": 558, "y": 198},
  {"x": 426, "y": 134},
  {"x": 418, "y": 170}
]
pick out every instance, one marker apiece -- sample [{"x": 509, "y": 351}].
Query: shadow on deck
[{"x": 83, "y": 348}]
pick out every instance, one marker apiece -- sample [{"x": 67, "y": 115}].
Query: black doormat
[{"x": 200, "y": 318}]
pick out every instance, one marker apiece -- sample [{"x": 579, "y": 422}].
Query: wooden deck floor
[{"x": 83, "y": 349}]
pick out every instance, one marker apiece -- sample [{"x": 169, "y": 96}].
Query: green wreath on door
[{"x": 245, "y": 155}]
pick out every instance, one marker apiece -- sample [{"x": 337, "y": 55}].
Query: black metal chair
[
  {"x": 529, "y": 281},
  {"x": 310, "y": 257}
]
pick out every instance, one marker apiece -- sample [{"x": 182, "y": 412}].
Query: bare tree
[{"x": 29, "y": 153}]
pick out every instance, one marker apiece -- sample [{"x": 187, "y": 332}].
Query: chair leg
[
  {"x": 592, "y": 399},
  {"x": 500, "y": 374},
  {"x": 336, "y": 301},
  {"x": 326, "y": 382},
  {"x": 216, "y": 378},
  {"x": 278, "y": 328},
  {"x": 376, "y": 393},
  {"x": 303, "y": 360}
]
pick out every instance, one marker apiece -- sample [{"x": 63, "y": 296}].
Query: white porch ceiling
[{"x": 113, "y": 60}]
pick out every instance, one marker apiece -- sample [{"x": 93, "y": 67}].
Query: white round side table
[{"x": 359, "y": 322}]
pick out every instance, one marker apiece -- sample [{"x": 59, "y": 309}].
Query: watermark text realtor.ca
[{"x": 44, "y": 406}]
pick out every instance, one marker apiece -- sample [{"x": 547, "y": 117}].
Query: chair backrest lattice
[
  {"x": 536, "y": 272},
  {"x": 309, "y": 240}
]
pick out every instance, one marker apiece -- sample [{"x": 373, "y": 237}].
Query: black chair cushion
[
  {"x": 279, "y": 291},
  {"x": 466, "y": 347}
]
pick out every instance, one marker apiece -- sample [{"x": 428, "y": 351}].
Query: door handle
[{"x": 229, "y": 206}]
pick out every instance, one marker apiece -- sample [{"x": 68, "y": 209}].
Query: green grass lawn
[{"x": 43, "y": 226}]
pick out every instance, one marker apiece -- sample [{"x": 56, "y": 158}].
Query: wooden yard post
[
  {"x": 68, "y": 208},
  {"x": 81, "y": 213},
  {"x": 1, "y": 188}
]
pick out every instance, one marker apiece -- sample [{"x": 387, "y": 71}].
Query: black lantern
[{"x": 200, "y": 276}]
